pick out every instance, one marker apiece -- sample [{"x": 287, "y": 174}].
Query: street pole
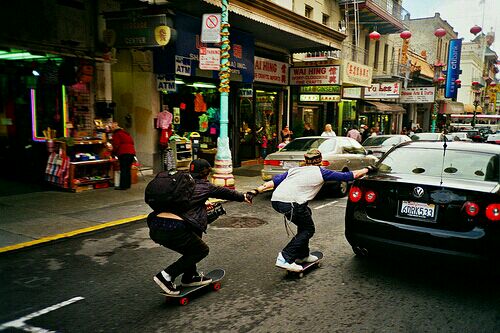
[{"x": 223, "y": 169}]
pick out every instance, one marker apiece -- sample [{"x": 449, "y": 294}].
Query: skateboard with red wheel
[
  {"x": 216, "y": 275},
  {"x": 307, "y": 266}
]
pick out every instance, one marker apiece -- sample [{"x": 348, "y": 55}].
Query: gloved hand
[
  {"x": 251, "y": 194},
  {"x": 372, "y": 169}
]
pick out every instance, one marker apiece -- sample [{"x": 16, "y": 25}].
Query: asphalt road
[{"x": 103, "y": 283}]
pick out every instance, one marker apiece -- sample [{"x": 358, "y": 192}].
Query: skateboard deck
[
  {"x": 308, "y": 265},
  {"x": 216, "y": 275}
]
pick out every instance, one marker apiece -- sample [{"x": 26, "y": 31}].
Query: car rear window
[
  {"x": 304, "y": 144},
  {"x": 429, "y": 162},
  {"x": 375, "y": 141}
]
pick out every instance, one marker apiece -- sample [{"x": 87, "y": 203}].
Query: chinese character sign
[
  {"x": 357, "y": 74},
  {"x": 314, "y": 75}
]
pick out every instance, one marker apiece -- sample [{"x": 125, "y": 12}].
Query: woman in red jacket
[{"x": 123, "y": 147}]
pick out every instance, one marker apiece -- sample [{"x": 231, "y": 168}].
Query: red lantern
[
  {"x": 405, "y": 34},
  {"x": 458, "y": 82},
  {"x": 440, "y": 32},
  {"x": 441, "y": 79},
  {"x": 374, "y": 35},
  {"x": 475, "y": 30},
  {"x": 493, "y": 84}
]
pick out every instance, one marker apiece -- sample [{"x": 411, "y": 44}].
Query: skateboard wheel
[
  {"x": 301, "y": 275},
  {"x": 319, "y": 264},
  {"x": 183, "y": 301},
  {"x": 216, "y": 286}
]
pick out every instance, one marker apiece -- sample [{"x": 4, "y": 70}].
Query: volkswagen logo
[{"x": 418, "y": 192}]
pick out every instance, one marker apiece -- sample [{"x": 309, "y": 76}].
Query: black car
[{"x": 433, "y": 197}]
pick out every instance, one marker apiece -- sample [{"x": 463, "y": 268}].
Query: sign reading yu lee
[
  {"x": 453, "y": 68},
  {"x": 300, "y": 76},
  {"x": 383, "y": 90},
  {"x": 417, "y": 95}
]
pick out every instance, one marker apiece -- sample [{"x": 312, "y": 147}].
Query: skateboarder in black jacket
[{"x": 183, "y": 232}]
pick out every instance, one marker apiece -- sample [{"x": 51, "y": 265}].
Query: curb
[{"x": 70, "y": 233}]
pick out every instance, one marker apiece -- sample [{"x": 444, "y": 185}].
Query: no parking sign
[{"x": 210, "y": 28}]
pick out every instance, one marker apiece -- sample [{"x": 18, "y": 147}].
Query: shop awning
[
  {"x": 451, "y": 107},
  {"x": 469, "y": 108},
  {"x": 384, "y": 107},
  {"x": 271, "y": 24}
]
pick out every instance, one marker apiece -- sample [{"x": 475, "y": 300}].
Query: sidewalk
[{"x": 38, "y": 217}]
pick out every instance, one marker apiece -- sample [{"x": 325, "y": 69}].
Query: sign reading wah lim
[{"x": 144, "y": 31}]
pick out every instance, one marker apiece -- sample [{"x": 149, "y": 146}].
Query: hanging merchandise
[
  {"x": 164, "y": 137},
  {"x": 199, "y": 103},
  {"x": 213, "y": 129},
  {"x": 177, "y": 116},
  {"x": 213, "y": 114},
  {"x": 164, "y": 119},
  {"x": 203, "y": 121}
]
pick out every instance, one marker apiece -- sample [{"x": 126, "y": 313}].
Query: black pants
[
  {"x": 126, "y": 161},
  {"x": 186, "y": 242},
  {"x": 301, "y": 216}
]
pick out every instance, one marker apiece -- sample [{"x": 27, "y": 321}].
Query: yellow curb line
[{"x": 71, "y": 233}]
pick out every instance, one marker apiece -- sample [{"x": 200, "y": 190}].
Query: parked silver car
[
  {"x": 339, "y": 154},
  {"x": 429, "y": 136},
  {"x": 381, "y": 144}
]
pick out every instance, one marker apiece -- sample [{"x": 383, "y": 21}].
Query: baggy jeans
[
  {"x": 186, "y": 242},
  {"x": 301, "y": 216}
]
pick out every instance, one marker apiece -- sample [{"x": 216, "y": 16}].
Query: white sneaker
[
  {"x": 309, "y": 258},
  {"x": 281, "y": 262}
]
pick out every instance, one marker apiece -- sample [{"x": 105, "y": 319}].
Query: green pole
[{"x": 223, "y": 162}]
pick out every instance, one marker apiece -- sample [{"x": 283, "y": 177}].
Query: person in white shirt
[
  {"x": 292, "y": 192},
  {"x": 328, "y": 131}
]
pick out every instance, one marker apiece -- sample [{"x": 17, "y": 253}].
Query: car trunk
[
  {"x": 283, "y": 160},
  {"x": 439, "y": 206}
]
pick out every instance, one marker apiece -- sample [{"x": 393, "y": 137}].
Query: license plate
[
  {"x": 288, "y": 165},
  {"x": 418, "y": 210}
]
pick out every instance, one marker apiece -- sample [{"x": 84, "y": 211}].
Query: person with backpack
[
  {"x": 180, "y": 219},
  {"x": 292, "y": 192}
]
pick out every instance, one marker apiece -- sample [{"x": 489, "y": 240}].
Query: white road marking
[
  {"x": 326, "y": 205},
  {"x": 20, "y": 323}
]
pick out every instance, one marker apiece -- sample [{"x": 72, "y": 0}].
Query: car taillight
[
  {"x": 272, "y": 162},
  {"x": 493, "y": 212},
  {"x": 325, "y": 163},
  {"x": 370, "y": 196},
  {"x": 355, "y": 194},
  {"x": 471, "y": 208}
]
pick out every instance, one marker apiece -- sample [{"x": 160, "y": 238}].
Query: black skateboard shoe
[
  {"x": 198, "y": 280},
  {"x": 167, "y": 286}
]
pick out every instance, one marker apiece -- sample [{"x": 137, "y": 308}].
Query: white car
[
  {"x": 461, "y": 135},
  {"x": 494, "y": 138}
]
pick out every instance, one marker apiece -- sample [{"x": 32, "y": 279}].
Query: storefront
[
  {"x": 43, "y": 99},
  {"x": 187, "y": 76},
  {"x": 315, "y": 98},
  {"x": 419, "y": 103},
  {"x": 380, "y": 111}
]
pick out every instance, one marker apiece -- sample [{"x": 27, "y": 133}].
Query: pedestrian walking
[
  {"x": 123, "y": 148},
  {"x": 181, "y": 231},
  {"x": 293, "y": 190},
  {"x": 328, "y": 131},
  {"x": 354, "y": 133},
  {"x": 308, "y": 131}
]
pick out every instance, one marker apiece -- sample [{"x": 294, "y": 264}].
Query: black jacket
[{"x": 197, "y": 214}]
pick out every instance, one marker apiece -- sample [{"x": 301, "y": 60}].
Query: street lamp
[
  {"x": 476, "y": 89},
  {"x": 223, "y": 171}
]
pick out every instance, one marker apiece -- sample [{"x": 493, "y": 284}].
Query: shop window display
[
  {"x": 266, "y": 114},
  {"x": 196, "y": 110}
]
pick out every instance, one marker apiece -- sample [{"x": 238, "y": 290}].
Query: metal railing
[
  {"x": 353, "y": 52},
  {"x": 389, "y": 6}
]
